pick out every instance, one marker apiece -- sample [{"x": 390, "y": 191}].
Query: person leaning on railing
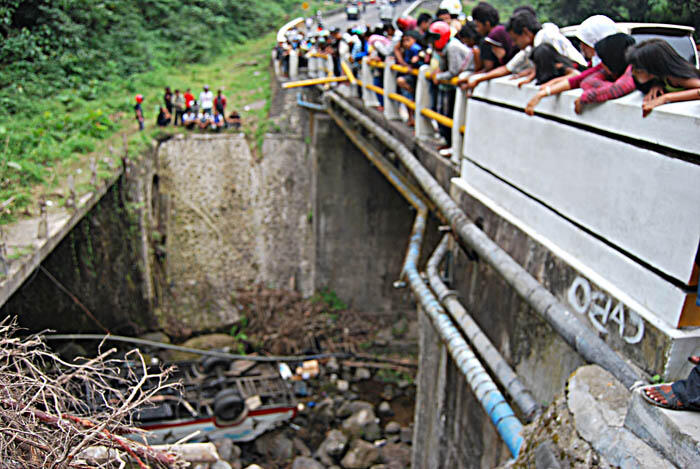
[
  {"x": 662, "y": 74},
  {"x": 457, "y": 58},
  {"x": 610, "y": 80},
  {"x": 527, "y": 33}
]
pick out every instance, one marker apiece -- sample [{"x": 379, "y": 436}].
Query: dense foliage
[
  {"x": 69, "y": 70},
  {"x": 49, "y": 45},
  {"x": 569, "y": 12},
  {"x": 566, "y": 12}
]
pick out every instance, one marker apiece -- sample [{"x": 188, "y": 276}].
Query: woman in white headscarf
[{"x": 591, "y": 31}]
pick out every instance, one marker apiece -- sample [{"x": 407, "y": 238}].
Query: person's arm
[
  {"x": 454, "y": 65},
  {"x": 478, "y": 65},
  {"x": 548, "y": 90},
  {"x": 529, "y": 76},
  {"x": 575, "y": 81},
  {"x": 691, "y": 94},
  {"x": 603, "y": 90},
  {"x": 398, "y": 55},
  {"x": 470, "y": 82}
]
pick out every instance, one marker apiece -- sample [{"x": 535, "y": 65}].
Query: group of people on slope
[
  {"x": 608, "y": 65},
  {"x": 181, "y": 109}
]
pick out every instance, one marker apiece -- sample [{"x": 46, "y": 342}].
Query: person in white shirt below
[{"x": 206, "y": 100}]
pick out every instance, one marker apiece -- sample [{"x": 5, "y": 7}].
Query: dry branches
[{"x": 51, "y": 410}]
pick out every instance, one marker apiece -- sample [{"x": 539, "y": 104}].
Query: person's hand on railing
[
  {"x": 530, "y": 108},
  {"x": 578, "y": 106},
  {"x": 528, "y": 78},
  {"x": 654, "y": 92}
]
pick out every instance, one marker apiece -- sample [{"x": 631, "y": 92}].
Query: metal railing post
[
  {"x": 275, "y": 63},
  {"x": 424, "y": 127},
  {"x": 459, "y": 119},
  {"x": 391, "y": 107},
  {"x": 293, "y": 65},
  {"x": 369, "y": 98},
  {"x": 330, "y": 66}
]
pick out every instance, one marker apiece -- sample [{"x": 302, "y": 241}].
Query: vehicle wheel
[
  {"x": 210, "y": 364},
  {"x": 229, "y": 406}
]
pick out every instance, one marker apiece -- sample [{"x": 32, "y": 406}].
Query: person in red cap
[{"x": 139, "y": 111}]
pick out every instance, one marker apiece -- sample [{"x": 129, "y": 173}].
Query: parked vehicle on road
[
  {"x": 680, "y": 37},
  {"x": 353, "y": 12}
]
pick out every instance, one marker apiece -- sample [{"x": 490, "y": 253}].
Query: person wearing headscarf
[
  {"x": 592, "y": 30},
  {"x": 613, "y": 80}
]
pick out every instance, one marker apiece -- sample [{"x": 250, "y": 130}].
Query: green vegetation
[
  {"x": 330, "y": 299},
  {"x": 567, "y": 12},
  {"x": 69, "y": 70}
]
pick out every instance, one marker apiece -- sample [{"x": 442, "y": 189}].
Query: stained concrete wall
[
  {"x": 307, "y": 213},
  {"x": 101, "y": 264},
  {"x": 362, "y": 224}
]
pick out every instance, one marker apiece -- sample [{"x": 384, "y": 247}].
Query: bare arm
[
  {"x": 398, "y": 55},
  {"x": 470, "y": 82},
  {"x": 548, "y": 90},
  {"x": 675, "y": 97}
]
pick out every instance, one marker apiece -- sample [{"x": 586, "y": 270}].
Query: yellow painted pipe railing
[
  {"x": 349, "y": 76},
  {"x": 313, "y": 81},
  {"x": 412, "y": 71}
]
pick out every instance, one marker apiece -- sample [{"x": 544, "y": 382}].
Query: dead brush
[{"x": 52, "y": 411}]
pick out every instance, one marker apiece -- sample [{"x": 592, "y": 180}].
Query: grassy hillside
[{"x": 69, "y": 70}]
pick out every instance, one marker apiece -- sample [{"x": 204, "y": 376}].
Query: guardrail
[{"x": 321, "y": 65}]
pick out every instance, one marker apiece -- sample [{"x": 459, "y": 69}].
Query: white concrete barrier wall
[{"x": 641, "y": 201}]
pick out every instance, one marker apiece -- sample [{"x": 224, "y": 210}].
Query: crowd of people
[
  {"x": 182, "y": 109},
  {"x": 607, "y": 63}
]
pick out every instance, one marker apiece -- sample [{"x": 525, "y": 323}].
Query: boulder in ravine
[
  {"x": 384, "y": 410},
  {"x": 396, "y": 454},
  {"x": 361, "y": 455},
  {"x": 300, "y": 447},
  {"x": 332, "y": 447},
  {"x": 358, "y": 423},
  {"x": 392, "y": 428},
  {"x": 350, "y": 407},
  {"x": 302, "y": 462},
  {"x": 274, "y": 446},
  {"x": 361, "y": 374}
]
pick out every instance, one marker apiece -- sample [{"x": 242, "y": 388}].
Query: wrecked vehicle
[{"x": 217, "y": 398}]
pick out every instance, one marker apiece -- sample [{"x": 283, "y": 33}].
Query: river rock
[
  {"x": 372, "y": 431},
  {"x": 359, "y": 423},
  {"x": 396, "y": 454},
  {"x": 392, "y": 428},
  {"x": 302, "y": 462},
  {"x": 275, "y": 446},
  {"x": 203, "y": 342},
  {"x": 342, "y": 385},
  {"x": 225, "y": 448},
  {"x": 332, "y": 447},
  {"x": 384, "y": 410},
  {"x": 253, "y": 466},
  {"x": 361, "y": 374},
  {"x": 361, "y": 455},
  {"x": 350, "y": 407},
  {"x": 332, "y": 365},
  {"x": 220, "y": 464},
  {"x": 324, "y": 411},
  {"x": 301, "y": 447},
  {"x": 388, "y": 392}
]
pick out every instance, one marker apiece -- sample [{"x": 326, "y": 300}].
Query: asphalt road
[{"x": 370, "y": 17}]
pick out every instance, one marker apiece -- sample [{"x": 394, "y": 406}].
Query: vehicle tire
[
  {"x": 229, "y": 406},
  {"x": 210, "y": 364}
]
